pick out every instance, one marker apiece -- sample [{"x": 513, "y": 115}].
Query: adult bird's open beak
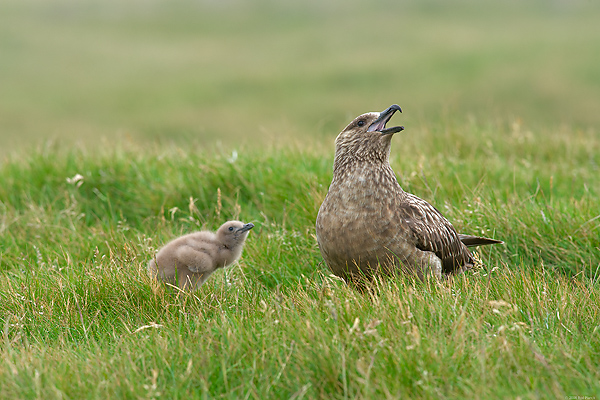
[{"x": 379, "y": 124}]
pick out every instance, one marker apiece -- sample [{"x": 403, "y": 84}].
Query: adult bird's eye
[
  {"x": 361, "y": 123},
  {"x": 231, "y": 229}
]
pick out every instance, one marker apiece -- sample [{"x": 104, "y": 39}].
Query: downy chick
[{"x": 189, "y": 260}]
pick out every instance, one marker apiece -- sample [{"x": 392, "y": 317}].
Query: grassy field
[
  {"x": 155, "y": 71},
  {"x": 181, "y": 116}
]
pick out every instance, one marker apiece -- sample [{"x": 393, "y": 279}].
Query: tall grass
[
  {"x": 110, "y": 332},
  {"x": 81, "y": 318}
]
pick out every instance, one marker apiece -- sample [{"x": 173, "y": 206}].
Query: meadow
[{"x": 180, "y": 116}]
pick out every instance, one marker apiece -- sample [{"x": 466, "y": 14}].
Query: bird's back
[{"x": 202, "y": 241}]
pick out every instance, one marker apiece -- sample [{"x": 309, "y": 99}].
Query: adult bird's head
[{"x": 366, "y": 138}]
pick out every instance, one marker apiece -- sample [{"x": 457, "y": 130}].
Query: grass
[
  {"x": 181, "y": 116},
  {"x": 123, "y": 337},
  {"x": 81, "y": 318}
]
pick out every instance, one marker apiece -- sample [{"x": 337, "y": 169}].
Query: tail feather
[{"x": 472, "y": 241}]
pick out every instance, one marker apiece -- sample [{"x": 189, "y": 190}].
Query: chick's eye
[
  {"x": 361, "y": 123},
  {"x": 231, "y": 229}
]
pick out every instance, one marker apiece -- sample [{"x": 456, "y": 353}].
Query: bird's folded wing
[{"x": 432, "y": 232}]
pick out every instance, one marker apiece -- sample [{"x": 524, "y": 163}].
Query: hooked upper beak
[
  {"x": 246, "y": 227},
  {"x": 379, "y": 124}
]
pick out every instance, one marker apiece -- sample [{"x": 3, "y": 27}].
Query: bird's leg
[
  {"x": 424, "y": 264},
  {"x": 197, "y": 261},
  {"x": 430, "y": 265},
  {"x": 193, "y": 267}
]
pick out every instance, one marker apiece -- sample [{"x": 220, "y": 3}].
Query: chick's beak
[{"x": 246, "y": 227}]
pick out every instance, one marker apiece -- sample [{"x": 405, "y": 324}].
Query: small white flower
[
  {"x": 77, "y": 180},
  {"x": 233, "y": 158}
]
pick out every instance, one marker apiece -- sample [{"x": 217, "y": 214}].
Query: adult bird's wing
[{"x": 432, "y": 232}]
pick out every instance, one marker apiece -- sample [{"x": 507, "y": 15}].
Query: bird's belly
[{"x": 357, "y": 243}]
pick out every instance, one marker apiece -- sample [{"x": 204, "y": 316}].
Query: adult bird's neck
[
  {"x": 364, "y": 173},
  {"x": 346, "y": 165}
]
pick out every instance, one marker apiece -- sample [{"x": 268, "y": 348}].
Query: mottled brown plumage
[{"x": 368, "y": 224}]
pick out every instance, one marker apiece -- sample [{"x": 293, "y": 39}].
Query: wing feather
[{"x": 432, "y": 232}]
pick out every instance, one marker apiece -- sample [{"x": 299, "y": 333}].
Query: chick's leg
[{"x": 193, "y": 266}]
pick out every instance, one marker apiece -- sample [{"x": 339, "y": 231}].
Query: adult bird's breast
[{"x": 355, "y": 228}]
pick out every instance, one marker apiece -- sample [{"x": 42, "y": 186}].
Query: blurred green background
[{"x": 248, "y": 73}]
